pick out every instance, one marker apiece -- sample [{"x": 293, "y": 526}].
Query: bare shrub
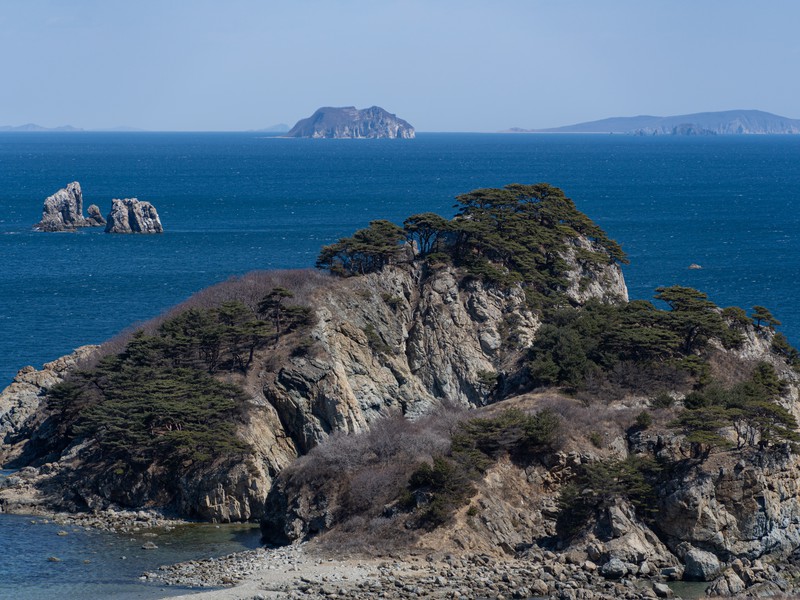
[
  {"x": 728, "y": 370},
  {"x": 355, "y": 478},
  {"x": 593, "y": 424},
  {"x": 248, "y": 289}
]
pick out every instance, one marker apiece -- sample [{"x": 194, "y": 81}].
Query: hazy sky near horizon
[{"x": 444, "y": 65}]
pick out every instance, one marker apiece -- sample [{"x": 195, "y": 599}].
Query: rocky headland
[
  {"x": 350, "y": 122},
  {"x": 467, "y": 407}
]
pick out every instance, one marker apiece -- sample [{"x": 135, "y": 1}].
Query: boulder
[
  {"x": 131, "y": 215},
  {"x": 63, "y": 211},
  {"x": 614, "y": 569},
  {"x": 728, "y": 584},
  {"x": 662, "y": 590},
  {"x": 700, "y": 565}
]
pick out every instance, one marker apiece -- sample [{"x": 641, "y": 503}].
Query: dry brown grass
[{"x": 249, "y": 289}]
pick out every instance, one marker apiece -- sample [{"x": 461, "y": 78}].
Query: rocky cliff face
[
  {"x": 131, "y": 215},
  {"x": 350, "y": 122},
  {"x": 405, "y": 339},
  {"x": 20, "y": 401},
  {"x": 63, "y": 211}
]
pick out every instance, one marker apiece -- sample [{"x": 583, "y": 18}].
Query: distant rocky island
[
  {"x": 348, "y": 122},
  {"x": 729, "y": 122},
  {"x": 63, "y": 211},
  {"x": 277, "y": 128}
]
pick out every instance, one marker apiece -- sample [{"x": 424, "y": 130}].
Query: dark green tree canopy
[
  {"x": 368, "y": 250},
  {"x": 516, "y": 234},
  {"x": 762, "y": 315}
]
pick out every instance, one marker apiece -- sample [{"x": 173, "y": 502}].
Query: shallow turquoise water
[{"x": 96, "y": 565}]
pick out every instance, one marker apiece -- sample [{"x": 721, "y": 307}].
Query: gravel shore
[{"x": 297, "y": 573}]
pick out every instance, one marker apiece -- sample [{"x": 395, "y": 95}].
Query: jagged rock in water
[
  {"x": 350, "y": 122},
  {"x": 63, "y": 211},
  {"x": 95, "y": 215},
  {"x": 131, "y": 215}
]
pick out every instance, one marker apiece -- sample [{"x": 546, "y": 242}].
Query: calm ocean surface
[{"x": 235, "y": 202}]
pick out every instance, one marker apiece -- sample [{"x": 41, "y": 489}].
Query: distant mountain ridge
[
  {"x": 728, "y": 122},
  {"x": 350, "y": 122},
  {"x": 35, "y": 127}
]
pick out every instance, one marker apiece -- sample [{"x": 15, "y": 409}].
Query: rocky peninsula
[
  {"x": 465, "y": 407},
  {"x": 350, "y": 122}
]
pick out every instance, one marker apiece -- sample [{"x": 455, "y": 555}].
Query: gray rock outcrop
[
  {"x": 131, "y": 215},
  {"x": 94, "y": 215},
  {"x": 350, "y": 122},
  {"x": 700, "y": 565},
  {"x": 63, "y": 211},
  {"x": 20, "y": 401}
]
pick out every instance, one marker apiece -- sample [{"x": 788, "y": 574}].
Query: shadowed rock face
[
  {"x": 63, "y": 211},
  {"x": 350, "y": 122},
  {"x": 132, "y": 215}
]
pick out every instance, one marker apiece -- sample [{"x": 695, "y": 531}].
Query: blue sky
[{"x": 443, "y": 65}]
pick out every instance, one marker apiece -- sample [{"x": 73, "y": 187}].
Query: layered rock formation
[
  {"x": 63, "y": 211},
  {"x": 350, "y": 122},
  {"x": 20, "y": 401},
  {"x": 131, "y": 215}
]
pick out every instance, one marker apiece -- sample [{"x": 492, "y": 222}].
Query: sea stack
[
  {"x": 131, "y": 215},
  {"x": 95, "y": 217},
  {"x": 348, "y": 122},
  {"x": 63, "y": 211}
]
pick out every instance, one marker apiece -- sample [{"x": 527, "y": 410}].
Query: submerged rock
[
  {"x": 63, "y": 211},
  {"x": 131, "y": 215}
]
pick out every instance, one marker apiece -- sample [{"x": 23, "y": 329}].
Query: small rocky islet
[
  {"x": 473, "y": 403},
  {"x": 63, "y": 211}
]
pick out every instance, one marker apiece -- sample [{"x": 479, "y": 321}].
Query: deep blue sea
[{"x": 235, "y": 202}]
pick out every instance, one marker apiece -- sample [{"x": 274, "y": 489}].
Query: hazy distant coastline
[{"x": 729, "y": 122}]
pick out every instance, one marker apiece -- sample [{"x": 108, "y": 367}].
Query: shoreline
[{"x": 300, "y": 572}]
